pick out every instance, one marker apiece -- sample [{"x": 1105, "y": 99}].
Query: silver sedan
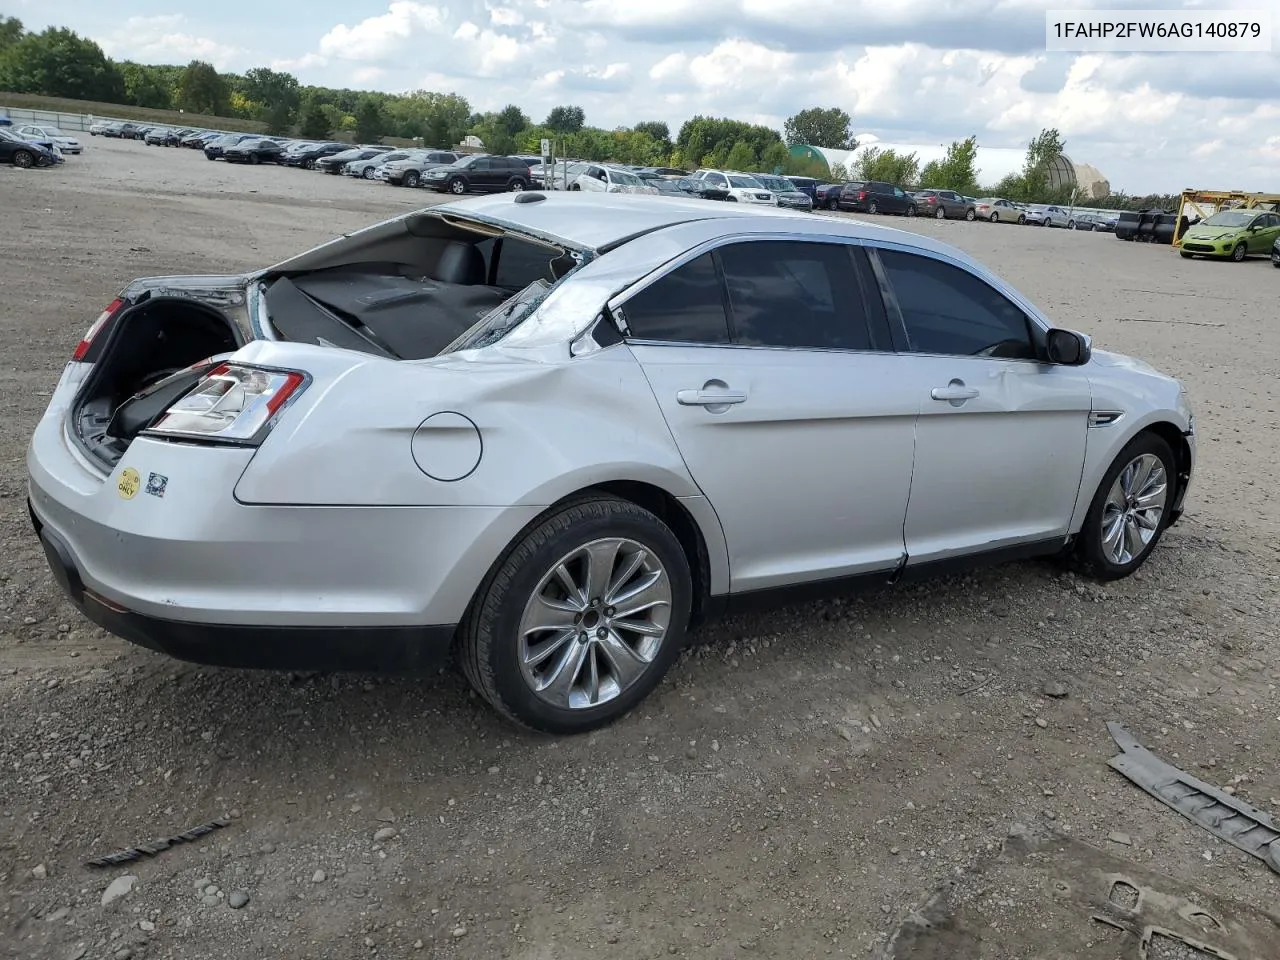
[{"x": 552, "y": 433}]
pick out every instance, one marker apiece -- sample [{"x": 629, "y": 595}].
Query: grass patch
[{"x": 119, "y": 111}]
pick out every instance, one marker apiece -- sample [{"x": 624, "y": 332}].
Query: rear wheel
[
  {"x": 911, "y": 210},
  {"x": 971, "y": 214},
  {"x": 1129, "y": 511},
  {"x": 516, "y": 185},
  {"x": 833, "y": 204},
  {"x": 941, "y": 214},
  {"x": 581, "y": 619},
  {"x": 994, "y": 218},
  {"x": 24, "y": 159},
  {"x": 872, "y": 207}
]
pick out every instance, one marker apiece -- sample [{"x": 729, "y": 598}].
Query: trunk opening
[{"x": 146, "y": 364}]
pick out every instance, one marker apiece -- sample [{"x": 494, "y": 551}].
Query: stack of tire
[{"x": 1149, "y": 226}]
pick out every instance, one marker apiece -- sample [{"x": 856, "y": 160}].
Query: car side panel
[{"x": 550, "y": 425}]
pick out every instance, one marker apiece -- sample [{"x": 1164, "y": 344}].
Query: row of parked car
[{"x": 449, "y": 171}]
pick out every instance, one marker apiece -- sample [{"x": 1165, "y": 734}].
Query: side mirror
[{"x": 1068, "y": 348}]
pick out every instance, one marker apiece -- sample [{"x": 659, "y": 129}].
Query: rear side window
[
  {"x": 800, "y": 295},
  {"x": 686, "y": 306},
  {"x": 950, "y": 311}
]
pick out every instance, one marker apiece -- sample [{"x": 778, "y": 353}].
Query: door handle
[
  {"x": 955, "y": 392},
  {"x": 708, "y": 398}
]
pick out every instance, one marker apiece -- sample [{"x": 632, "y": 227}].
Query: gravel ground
[{"x": 798, "y": 786}]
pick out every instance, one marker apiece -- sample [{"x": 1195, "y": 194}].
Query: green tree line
[{"x": 57, "y": 62}]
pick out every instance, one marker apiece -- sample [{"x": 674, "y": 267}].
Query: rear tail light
[
  {"x": 233, "y": 403},
  {"x": 82, "y": 348},
  {"x": 862, "y": 194}
]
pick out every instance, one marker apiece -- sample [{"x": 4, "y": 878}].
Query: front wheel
[
  {"x": 1022, "y": 220},
  {"x": 411, "y": 178},
  {"x": 1071, "y": 224},
  {"x": 368, "y": 173},
  {"x": 457, "y": 186},
  {"x": 1185, "y": 255},
  {"x": 1239, "y": 252},
  {"x": 581, "y": 619},
  {"x": 1130, "y": 510},
  {"x": 308, "y": 164},
  {"x": 24, "y": 159}
]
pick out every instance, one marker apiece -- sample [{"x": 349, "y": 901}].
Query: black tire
[
  {"x": 1071, "y": 224},
  {"x": 1022, "y": 219},
  {"x": 576, "y": 187},
  {"x": 411, "y": 178},
  {"x": 873, "y": 207},
  {"x": 971, "y": 214},
  {"x": 1088, "y": 557},
  {"x": 942, "y": 213},
  {"x": 488, "y": 637},
  {"x": 995, "y": 217},
  {"x": 457, "y": 186},
  {"x": 254, "y": 159},
  {"x": 833, "y": 204},
  {"x": 369, "y": 173},
  {"x": 911, "y": 211},
  {"x": 1239, "y": 252},
  {"x": 207, "y": 157},
  {"x": 1185, "y": 255},
  {"x": 308, "y": 164},
  {"x": 24, "y": 159},
  {"x": 732, "y": 199},
  {"x": 515, "y": 185},
  {"x": 1276, "y": 264}
]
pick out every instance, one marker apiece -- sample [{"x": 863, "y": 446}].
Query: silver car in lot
[{"x": 553, "y": 432}]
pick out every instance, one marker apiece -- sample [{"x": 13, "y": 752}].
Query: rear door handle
[
  {"x": 708, "y": 398},
  {"x": 954, "y": 392}
]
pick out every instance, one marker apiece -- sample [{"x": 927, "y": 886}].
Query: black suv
[
  {"x": 480, "y": 173},
  {"x": 876, "y": 196}
]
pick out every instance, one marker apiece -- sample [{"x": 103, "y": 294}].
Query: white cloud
[
  {"x": 911, "y": 71},
  {"x": 377, "y": 38},
  {"x": 163, "y": 39}
]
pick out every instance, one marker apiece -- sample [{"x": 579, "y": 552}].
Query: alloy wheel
[
  {"x": 595, "y": 623},
  {"x": 1239, "y": 252},
  {"x": 24, "y": 159},
  {"x": 458, "y": 187},
  {"x": 1134, "y": 508},
  {"x": 941, "y": 214}
]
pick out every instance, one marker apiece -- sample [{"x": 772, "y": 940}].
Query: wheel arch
[
  {"x": 686, "y": 517},
  {"x": 1098, "y": 461}
]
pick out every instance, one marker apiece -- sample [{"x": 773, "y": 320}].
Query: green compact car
[{"x": 1233, "y": 234}]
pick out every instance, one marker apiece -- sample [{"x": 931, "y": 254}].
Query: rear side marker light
[
  {"x": 233, "y": 403},
  {"x": 87, "y": 340}
]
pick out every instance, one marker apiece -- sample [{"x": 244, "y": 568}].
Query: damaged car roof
[{"x": 596, "y": 221}]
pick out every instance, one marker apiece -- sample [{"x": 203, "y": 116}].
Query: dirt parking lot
[{"x": 800, "y": 785}]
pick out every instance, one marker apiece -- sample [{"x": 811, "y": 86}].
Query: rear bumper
[{"x": 363, "y": 649}]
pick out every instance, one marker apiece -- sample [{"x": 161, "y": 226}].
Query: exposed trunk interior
[
  {"x": 407, "y": 292},
  {"x": 415, "y": 305},
  {"x": 144, "y": 368}
]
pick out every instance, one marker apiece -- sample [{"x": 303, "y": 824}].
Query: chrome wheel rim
[
  {"x": 595, "y": 623},
  {"x": 941, "y": 214},
  {"x": 22, "y": 159},
  {"x": 1134, "y": 508}
]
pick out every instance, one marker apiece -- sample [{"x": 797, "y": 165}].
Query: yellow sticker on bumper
[{"x": 129, "y": 484}]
